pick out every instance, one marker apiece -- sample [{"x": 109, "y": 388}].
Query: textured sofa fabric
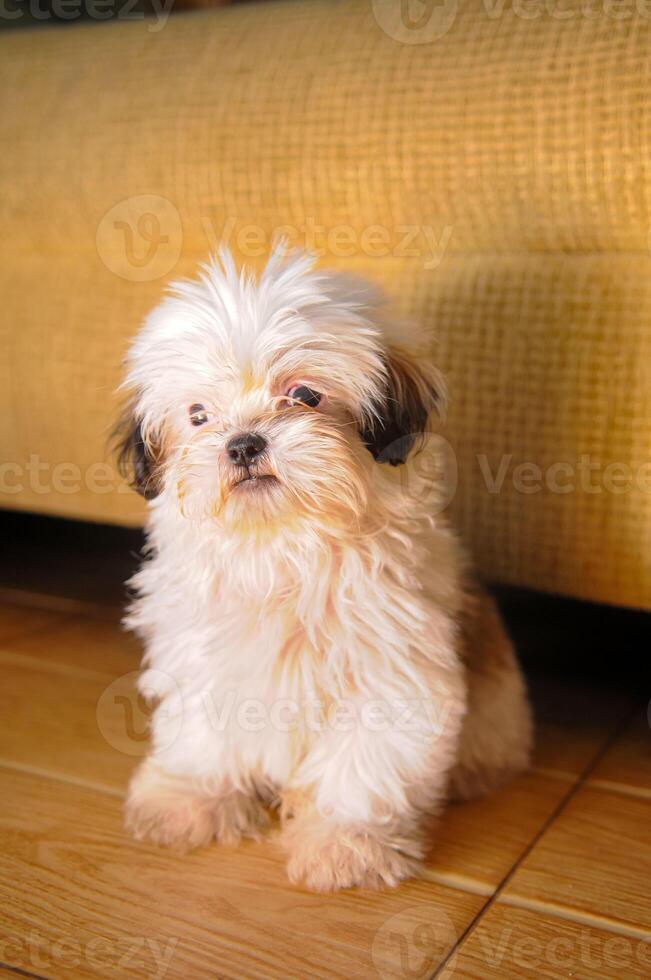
[{"x": 494, "y": 179}]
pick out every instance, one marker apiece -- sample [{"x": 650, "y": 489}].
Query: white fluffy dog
[{"x": 313, "y": 639}]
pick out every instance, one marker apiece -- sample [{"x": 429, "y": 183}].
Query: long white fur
[{"x": 263, "y": 610}]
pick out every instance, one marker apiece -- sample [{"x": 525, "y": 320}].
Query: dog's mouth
[{"x": 251, "y": 482}]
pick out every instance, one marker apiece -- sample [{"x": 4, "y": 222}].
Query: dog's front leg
[
  {"x": 194, "y": 786},
  {"x": 355, "y": 811}
]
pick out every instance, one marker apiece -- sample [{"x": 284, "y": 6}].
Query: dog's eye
[
  {"x": 301, "y": 393},
  {"x": 198, "y": 415}
]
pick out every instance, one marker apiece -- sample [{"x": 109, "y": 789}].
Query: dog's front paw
[
  {"x": 236, "y": 816},
  {"x": 325, "y": 860},
  {"x": 180, "y": 823},
  {"x": 172, "y": 811}
]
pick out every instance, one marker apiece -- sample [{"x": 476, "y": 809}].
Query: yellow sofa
[{"x": 487, "y": 163}]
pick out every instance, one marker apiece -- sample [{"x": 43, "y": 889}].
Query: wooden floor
[{"x": 549, "y": 878}]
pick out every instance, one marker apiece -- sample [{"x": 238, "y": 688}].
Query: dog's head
[{"x": 262, "y": 402}]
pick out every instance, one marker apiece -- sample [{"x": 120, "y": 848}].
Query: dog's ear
[
  {"x": 138, "y": 458},
  {"x": 412, "y": 391}
]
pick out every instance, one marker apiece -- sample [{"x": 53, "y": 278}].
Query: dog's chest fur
[{"x": 265, "y": 645}]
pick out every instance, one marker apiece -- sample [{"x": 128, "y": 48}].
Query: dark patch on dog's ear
[
  {"x": 138, "y": 460},
  {"x": 411, "y": 393}
]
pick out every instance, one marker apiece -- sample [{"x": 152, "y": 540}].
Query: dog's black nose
[{"x": 245, "y": 447}]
